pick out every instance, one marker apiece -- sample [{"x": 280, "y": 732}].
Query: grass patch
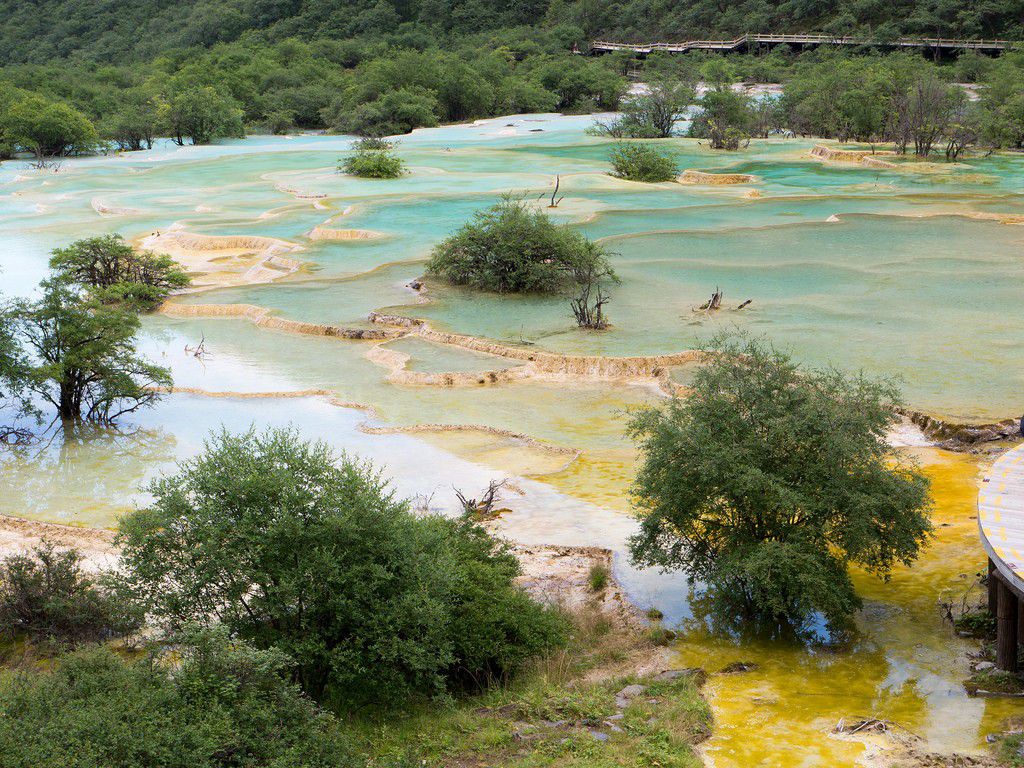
[
  {"x": 979, "y": 623},
  {"x": 598, "y": 577},
  {"x": 551, "y": 715},
  {"x": 995, "y": 681}
]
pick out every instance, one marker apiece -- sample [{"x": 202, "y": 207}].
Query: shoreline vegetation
[{"x": 611, "y": 694}]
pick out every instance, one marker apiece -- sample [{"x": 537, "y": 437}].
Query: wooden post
[
  {"x": 993, "y": 588},
  {"x": 1006, "y": 629},
  {"x": 1020, "y": 621}
]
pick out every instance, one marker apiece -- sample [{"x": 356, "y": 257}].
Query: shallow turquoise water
[{"x": 860, "y": 268}]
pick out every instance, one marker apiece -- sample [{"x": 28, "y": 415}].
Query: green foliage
[
  {"x": 903, "y": 100},
  {"x": 295, "y": 548},
  {"x": 1011, "y": 749},
  {"x": 597, "y": 577},
  {"x": 115, "y": 273},
  {"x": 995, "y": 681},
  {"x": 79, "y": 355},
  {"x": 135, "y": 30},
  {"x": 46, "y": 128},
  {"x": 642, "y": 162},
  {"x": 383, "y": 67},
  {"x": 45, "y": 595},
  {"x": 1002, "y": 102},
  {"x": 135, "y": 123},
  {"x": 200, "y": 115},
  {"x": 220, "y": 704},
  {"x": 725, "y": 118},
  {"x": 979, "y": 623},
  {"x": 513, "y": 248},
  {"x": 653, "y": 114},
  {"x": 769, "y": 479},
  {"x": 373, "y": 159},
  {"x": 394, "y": 112}
]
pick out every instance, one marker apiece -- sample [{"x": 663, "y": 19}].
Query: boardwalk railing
[{"x": 746, "y": 41}]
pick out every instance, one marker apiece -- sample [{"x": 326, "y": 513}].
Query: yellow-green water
[{"x": 884, "y": 270}]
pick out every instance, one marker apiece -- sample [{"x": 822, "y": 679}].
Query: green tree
[
  {"x": 1002, "y": 103},
  {"x": 653, "y": 114},
  {"x": 135, "y": 123},
  {"x": 725, "y": 118},
  {"x": 79, "y": 356},
  {"x": 47, "y": 129},
  {"x": 392, "y": 113},
  {"x": 514, "y": 248},
  {"x": 215, "y": 703},
  {"x": 116, "y": 273},
  {"x": 293, "y": 547},
  {"x": 200, "y": 115},
  {"x": 768, "y": 480}
]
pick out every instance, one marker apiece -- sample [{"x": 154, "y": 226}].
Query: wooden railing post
[
  {"x": 1006, "y": 629},
  {"x": 993, "y": 588}
]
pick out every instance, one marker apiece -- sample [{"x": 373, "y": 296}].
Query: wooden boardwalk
[
  {"x": 1001, "y": 516},
  {"x": 753, "y": 42},
  {"x": 1001, "y": 527}
]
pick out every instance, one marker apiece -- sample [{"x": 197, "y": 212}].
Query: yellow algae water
[
  {"x": 894, "y": 271},
  {"x": 906, "y": 664}
]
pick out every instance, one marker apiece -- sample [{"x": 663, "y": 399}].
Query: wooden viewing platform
[
  {"x": 752, "y": 42},
  {"x": 1001, "y": 527}
]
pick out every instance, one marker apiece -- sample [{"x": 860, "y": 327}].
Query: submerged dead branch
[{"x": 484, "y": 507}]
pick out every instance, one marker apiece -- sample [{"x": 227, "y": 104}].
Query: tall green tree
[
  {"x": 79, "y": 356},
  {"x": 654, "y": 113},
  {"x": 135, "y": 124},
  {"x": 769, "y": 480},
  {"x": 47, "y": 129},
  {"x": 201, "y": 114},
  {"x": 725, "y": 118}
]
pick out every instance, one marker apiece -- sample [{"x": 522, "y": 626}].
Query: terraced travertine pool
[{"x": 911, "y": 271}]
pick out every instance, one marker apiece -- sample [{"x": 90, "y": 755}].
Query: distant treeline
[
  {"x": 139, "y": 30},
  {"x": 383, "y": 82},
  {"x": 346, "y": 86}
]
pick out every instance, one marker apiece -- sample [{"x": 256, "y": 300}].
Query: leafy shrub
[
  {"x": 115, "y": 273},
  {"x": 642, "y": 162},
  {"x": 293, "y": 547},
  {"x": 225, "y": 705},
  {"x": 45, "y": 595},
  {"x": 373, "y": 158},
  {"x": 597, "y": 577},
  {"x": 513, "y": 248}
]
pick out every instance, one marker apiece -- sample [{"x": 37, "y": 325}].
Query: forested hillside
[
  {"x": 120, "y": 30},
  {"x": 80, "y": 76}
]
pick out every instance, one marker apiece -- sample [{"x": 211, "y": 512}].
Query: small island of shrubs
[
  {"x": 512, "y": 247},
  {"x": 373, "y": 158},
  {"x": 642, "y": 162}
]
